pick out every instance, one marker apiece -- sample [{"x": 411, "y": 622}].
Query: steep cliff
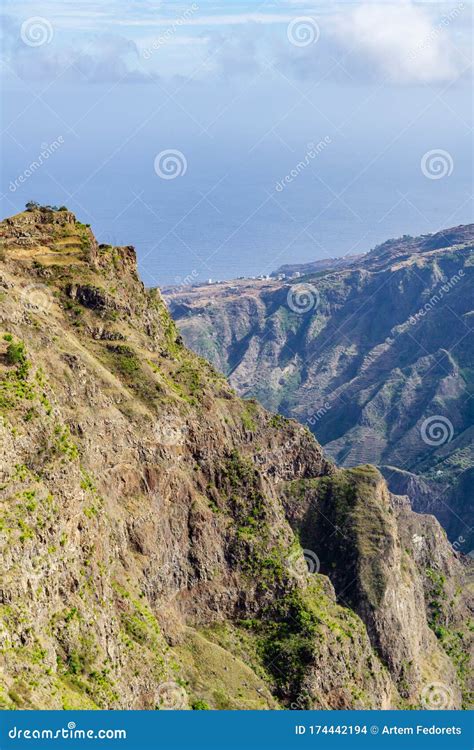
[
  {"x": 152, "y": 524},
  {"x": 376, "y": 357}
]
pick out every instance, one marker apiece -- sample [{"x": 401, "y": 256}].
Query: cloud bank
[
  {"x": 401, "y": 43},
  {"x": 401, "y": 40}
]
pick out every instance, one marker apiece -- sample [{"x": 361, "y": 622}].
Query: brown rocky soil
[{"x": 152, "y": 524}]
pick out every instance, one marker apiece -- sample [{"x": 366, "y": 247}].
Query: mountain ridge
[
  {"x": 365, "y": 355},
  {"x": 152, "y": 523}
]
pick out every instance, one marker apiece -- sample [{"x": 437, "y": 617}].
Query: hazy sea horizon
[
  {"x": 217, "y": 242},
  {"x": 248, "y": 196}
]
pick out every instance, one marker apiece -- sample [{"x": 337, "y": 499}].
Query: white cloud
[
  {"x": 102, "y": 59},
  {"x": 401, "y": 41}
]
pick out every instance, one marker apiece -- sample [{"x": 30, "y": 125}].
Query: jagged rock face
[
  {"x": 149, "y": 523},
  {"x": 376, "y": 358},
  {"x": 353, "y": 517}
]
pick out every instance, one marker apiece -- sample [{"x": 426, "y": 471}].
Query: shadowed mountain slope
[{"x": 377, "y": 358}]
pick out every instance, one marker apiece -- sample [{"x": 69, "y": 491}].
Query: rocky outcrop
[
  {"x": 351, "y": 516},
  {"x": 150, "y": 526}
]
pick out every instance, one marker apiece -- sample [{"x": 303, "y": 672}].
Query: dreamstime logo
[
  {"x": 437, "y": 697},
  {"x": 318, "y": 414},
  {"x": 459, "y": 543},
  {"x": 303, "y": 31},
  {"x": 168, "y": 33},
  {"x": 37, "y": 297},
  {"x": 314, "y": 149},
  {"x": 171, "y": 697},
  {"x": 71, "y": 732},
  {"x": 437, "y": 430},
  {"x": 182, "y": 284},
  {"x": 36, "y": 31},
  {"x": 301, "y": 298},
  {"x": 301, "y": 703},
  {"x": 170, "y": 431},
  {"x": 308, "y": 562},
  {"x": 437, "y": 164},
  {"x": 437, "y": 297},
  {"x": 47, "y": 150},
  {"x": 444, "y": 22},
  {"x": 170, "y": 164}
]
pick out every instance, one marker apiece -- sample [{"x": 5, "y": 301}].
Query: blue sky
[{"x": 240, "y": 90}]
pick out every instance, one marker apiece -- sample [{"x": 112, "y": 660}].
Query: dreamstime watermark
[
  {"x": 436, "y": 164},
  {"x": 169, "y": 32},
  {"x": 171, "y": 697},
  {"x": 436, "y": 297},
  {"x": 303, "y": 562},
  {"x": 71, "y": 732},
  {"x": 301, "y": 703},
  {"x": 318, "y": 414},
  {"x": 47, "y": 150},
  {"x": 303, "y": 31},
  {"x": 170, "y": 164},
  {"x": 444, "y": 22},
  {"x": 459, "y": 543},
  {"x": 302, "y": 298},
  {"x": 36, "y": 31},
  {"x": 314, "y": 149},
  {"x": 183, "y": 284},
  {"x": 37, "y": 297},
  {"x": 437, "y": 697},
  {"x": 437, "y": 430}
]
